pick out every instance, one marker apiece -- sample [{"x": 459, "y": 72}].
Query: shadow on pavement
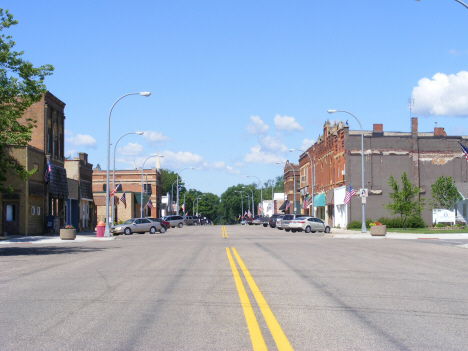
[{"x": 42, "y": 251}]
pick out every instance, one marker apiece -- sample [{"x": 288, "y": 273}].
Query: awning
[
  {"x": 319, "y": 200},
  {"x": 58, "y": 183},
  {"x": 86, "y": 190},
  {"x": 138, "y": 198},
  {"x": 283, "y": 206}
]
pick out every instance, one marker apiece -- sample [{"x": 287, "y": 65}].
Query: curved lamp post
[
  {"x": 145, "y": 93},
  {"x": 311, "y": 177},
  {"x": 261, "y": 190},
  {"x": 363, "y": 226},
  {"x": 460, "y": 2},
  {"x": 193, "y": 206},
  {"x": 113, "y": 172},
  {"x": 253, "y": 205},
  {"x": 178, "y": 186},
  {"x": 294, "y": 180},
  {"x": 242, "y": 200},
  {"x": 172, "y": 192},
  {"x": 141, "y": 194}
]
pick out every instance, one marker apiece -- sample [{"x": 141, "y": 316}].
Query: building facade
[{"x": 35, "y": 207}]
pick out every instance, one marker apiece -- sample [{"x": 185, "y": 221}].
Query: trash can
[{"x": 100, "y": 227}]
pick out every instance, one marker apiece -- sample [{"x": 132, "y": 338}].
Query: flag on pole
[
  {"x": 465, "y": 150},
  {"x": 124, "y": 200},
  {"x": 287, "y": 206},
  {"x": 115, "y": 189},
  {"x": 349, "y": 194},
  {"x": 259, "y": 209},
  {"x": 183, "y": 207},
  {"x": 150, "y": 204},
  {"x": 249, "y": 214},
  {"x": 47, "y": 172},
  {"x": 306, "y": 202}
]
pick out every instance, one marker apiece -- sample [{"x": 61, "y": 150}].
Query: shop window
[
  {"x": 33, "y": 210},
  {"x": 10, "y": 213}
]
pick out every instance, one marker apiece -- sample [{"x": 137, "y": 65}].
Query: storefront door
[{"x": 10, "y": 218}]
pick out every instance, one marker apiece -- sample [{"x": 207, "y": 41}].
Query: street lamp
[
  {"x": 193, "y": 206},
  {"x": 294, "y": 180},
  {"x": 178, "y": 186},
  {"x": 311, "y": 176},
  {"x": 141, "y": 194},
  {"x": 261, "y": 190},
  {"x": 460, "y": 2},
  {"x": 253, "y": 205},
  {"x": 242, "y": 201},
  {"x": 363, "y": 226},
  {"x": 172, "y": 193},
  {"x": 106, "y": 231},
  {"x": 113, "y": 172},
  {"x": 184, "y": 198}
]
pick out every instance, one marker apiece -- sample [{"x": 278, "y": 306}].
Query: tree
[
  {"x": 21, "y": 85},
  {"x": 444, "y": 193},
  {"x": 167, "y": 179},
  {"x": 406, "y": 201}
]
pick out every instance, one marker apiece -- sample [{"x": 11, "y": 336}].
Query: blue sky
[{"x": 234, "y": 84}]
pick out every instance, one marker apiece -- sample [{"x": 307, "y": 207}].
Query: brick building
[
  {"x": 80, "y": 206},
  {"x": 336, "y": 156},
  {"x": 291, "y": 190},
  {"x": 24, "y": 212},
  {"x": 130, "y": 183}
]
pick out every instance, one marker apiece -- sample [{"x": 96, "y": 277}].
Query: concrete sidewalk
[
  {"x": 52, "y": 239},
  {"x": 356, "y": 234}
]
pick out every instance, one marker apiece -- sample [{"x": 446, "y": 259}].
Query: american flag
[
  {"x": 306, "y": 202},
  {"x": 150, "y": 204},
  {"x": 249, "y": 214},
  {"x": 465, "y": 150},
  {"x": 124, "y": 200},
  {"x": 47, "y": 172},
  {"x": 349, "y": 194},
  {"x": 115, "y": 189},
  {"x": 288, "y": 204},
  {"x": 183, "y": 207}
]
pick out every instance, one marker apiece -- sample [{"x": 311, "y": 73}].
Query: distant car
[
  {"x": 285, "y": 221},
  {"x": 272, "y": 221},
  {"x": 137, "y": 225},
  {"x": 256, "y": 220},
  {"x": 279, "y": 221},
  {"x": 191, "y": 220},
  {"x": 243, "y": 222},
  {"x": 309, "y": 224},
  {"x": 174, "y": 221},
  {"x": 162, "y": 221}
]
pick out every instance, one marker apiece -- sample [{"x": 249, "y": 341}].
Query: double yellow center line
[
  {"x": 224, "y": 232},
  {"x": 258, "y": 343}
]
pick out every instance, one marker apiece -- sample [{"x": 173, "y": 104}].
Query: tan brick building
[
  {"x": 24, "y": 212},
  {"x": 130, "y": 183}
]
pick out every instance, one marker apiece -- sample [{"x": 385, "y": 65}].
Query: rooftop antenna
[{"x": 410, "y": 106}]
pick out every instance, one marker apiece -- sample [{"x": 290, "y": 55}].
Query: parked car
[
  {"x": 309, "y": 224},
  {"x": 279, "y": 220},
  {"x": 191, "y": 220},
  {"x": 174, "y": 221},
  {"x": 255, "y": 220},
  {"x": 272, "y": 221},
  {"x": 137, "y": 225},
  {"x": 243, "y": 222},
  {"x": 264, "y": 220},
  {"x": 285, "y": 221},
  {"x": 162, "y": 221}
]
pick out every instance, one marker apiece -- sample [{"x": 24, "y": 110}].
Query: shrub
[
  {"x": 439, "y": 225},
  {"x": 391, "y": 222},
  {"x": 415, "y": 222},
  {"x": 358, "y": 224},
  {"x": 69, "y": 226}
]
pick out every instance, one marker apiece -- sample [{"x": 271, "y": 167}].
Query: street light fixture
[
  {"x": 294, "y": 181},
  {"x": 145, "y": 93},
  {"x": 193, "y": 206},
  {"x": 178, "y": 186},
  {"x": 363, "y": 226},
  {"x": 113, "y": 172},
  {"x": 261, "y": 190},
  {"x": 141, "y": 194},
  {"x": 242, "y": 201},
  {"x": 311, "y": 177},
  {"x": 253, "y": 205},
  {"x": 172, "y": 192},
  {"x": 460, "y": 2}
]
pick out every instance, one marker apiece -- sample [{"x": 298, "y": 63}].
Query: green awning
[
  {"x": 319, "y": 200},
  {"x": 138, "y": 198}
]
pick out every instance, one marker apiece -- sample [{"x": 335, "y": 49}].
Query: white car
[{"x": 309, "y": 224}]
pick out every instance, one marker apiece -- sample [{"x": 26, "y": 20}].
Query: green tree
[
  {"x": 208, "y": 206},
  {"x": 444, "y": 193},
  {"x": 406, "y": 202},
  {"x": 167, "y": 179},
  {"x": 21, "y": 85}
]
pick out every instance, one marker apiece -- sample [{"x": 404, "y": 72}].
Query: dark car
[
  {"x": 162, "y": 221},
  {"x": 272, "y": 221}
]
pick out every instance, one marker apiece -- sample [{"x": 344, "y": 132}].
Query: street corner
[{"x": 50, "y": 239}]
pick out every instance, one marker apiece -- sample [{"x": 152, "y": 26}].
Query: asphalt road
[{"x": 182, "y": 290}]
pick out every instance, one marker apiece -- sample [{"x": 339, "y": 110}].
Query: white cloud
[
  {"x": 306, "y": 143},
  {"x": 155, "y": 137},
  {"x": 273, "y": 144},
  {"x": 80, "y": 140},
  {"x": 256, "y": 155},
  {"x": 220, "y": 166},
  {"x": 286, "y": 123},
  {"x": 131, "y": 149},
  {"x": 239, "y": 164},
  {"x": 442, "y": 95},
  {"x": 257, "y": 126},
  {"x": 67, "y": 132}
]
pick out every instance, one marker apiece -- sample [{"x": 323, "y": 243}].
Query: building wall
[{"x": 289, "y": 186}]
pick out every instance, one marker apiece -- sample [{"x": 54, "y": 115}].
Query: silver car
[
  {"x": 137, "y": 225},
  {"x": 309, "y": 224}
]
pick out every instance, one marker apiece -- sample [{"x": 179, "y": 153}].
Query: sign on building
[{"x": 443, "y": 216}]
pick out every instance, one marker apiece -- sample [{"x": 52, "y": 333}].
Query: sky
[{"x": 235, "y": 84}]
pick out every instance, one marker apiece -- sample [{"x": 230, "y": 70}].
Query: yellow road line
[
  {"x": 254, "y": 330},
  {"x": 281, "y": 341},
  {"x": 224, "y": 232}
]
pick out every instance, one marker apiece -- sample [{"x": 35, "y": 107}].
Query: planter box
[
  {"x": 378, "y": 230},
  {"x": 67, "y": 234}
]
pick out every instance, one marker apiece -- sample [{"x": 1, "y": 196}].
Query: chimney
[
  {"x": 439, "y": 132},
  {"x": 378, "y": 130},
  {"x": 414, "y": 126}
]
